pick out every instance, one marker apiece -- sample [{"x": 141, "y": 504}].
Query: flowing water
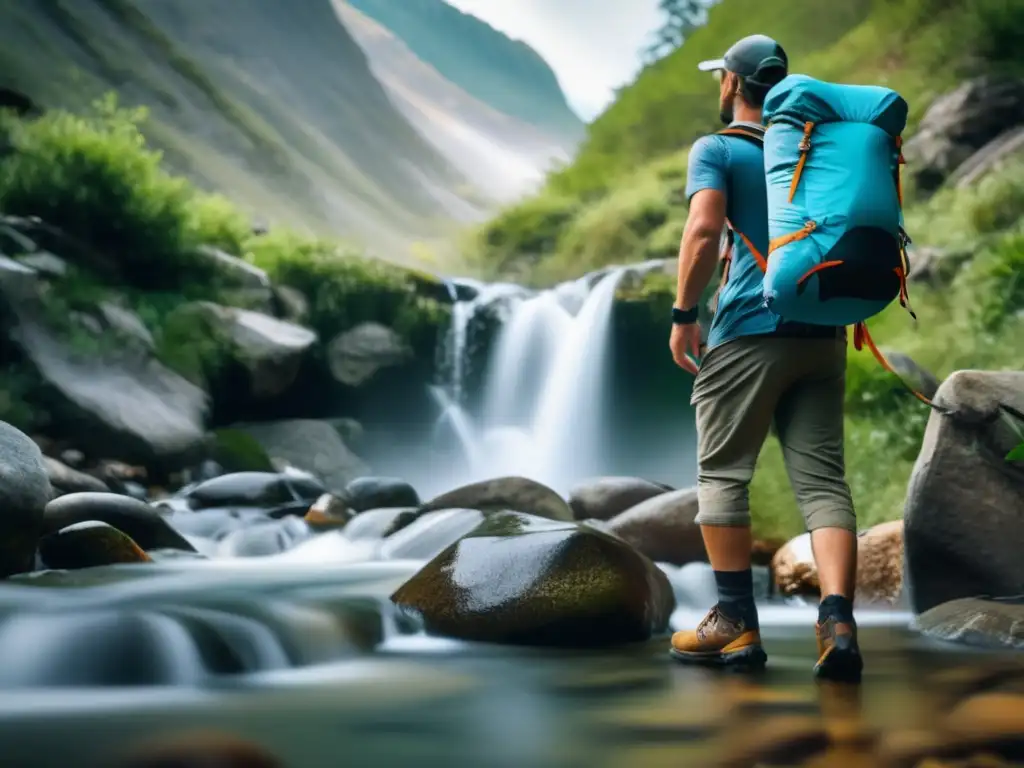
[
  {"x": 308, "y": 660},
  {"x": 545, "y": 387}
]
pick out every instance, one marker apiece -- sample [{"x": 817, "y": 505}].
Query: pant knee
[
  {"x": 722, "y": 503},
  {"x": 830, "y": 511}
]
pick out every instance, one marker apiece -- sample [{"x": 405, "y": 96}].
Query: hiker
[{"x": 757, "y": 372}]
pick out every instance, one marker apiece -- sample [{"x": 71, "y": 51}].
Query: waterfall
[{"x": 543, "y": 400}]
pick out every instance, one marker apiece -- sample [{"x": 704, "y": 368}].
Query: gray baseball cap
[{"x": 750, "y": 57}]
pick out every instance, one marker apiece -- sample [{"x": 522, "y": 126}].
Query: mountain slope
[
  {"x": 275, "y": 105},
  {"x": 505, "y": 156},
  {"x": 622, "y": 200},
  {"x": 506, "y": 74}
]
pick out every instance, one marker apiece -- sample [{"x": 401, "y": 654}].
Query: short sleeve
[{"x": 708, "y": 166}]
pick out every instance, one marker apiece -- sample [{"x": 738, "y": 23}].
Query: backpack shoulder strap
[{"x": 749, "y": 133}]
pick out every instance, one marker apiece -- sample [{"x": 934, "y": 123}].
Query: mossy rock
[
  {"x": 89, "y": 544},
  {"x": 520, "y": 579},
  {"x": 238, "y": 451}
]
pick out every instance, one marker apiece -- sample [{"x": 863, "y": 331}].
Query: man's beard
[{"x": 725, "y": 113}]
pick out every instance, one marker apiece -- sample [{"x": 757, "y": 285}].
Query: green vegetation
[
  {"x": 137, "y": 233},
  {"x": 622, "y": 201},
  {"x": 506, "y": 74}
]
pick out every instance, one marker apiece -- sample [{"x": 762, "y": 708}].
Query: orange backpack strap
[
  {"x": 755, "y": 136},
  {"x": 861, "y": 337},
  {"x": 762, "y": 262}
]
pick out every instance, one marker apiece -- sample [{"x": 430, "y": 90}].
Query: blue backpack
[{"x": 832, "y": 157}]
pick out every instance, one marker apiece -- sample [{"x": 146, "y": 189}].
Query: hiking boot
[
  {"x": 719, "y": 641},
  {"x": 839, "y": 656}
]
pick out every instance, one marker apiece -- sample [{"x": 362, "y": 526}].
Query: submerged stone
[
  {"x": 985, "y": 623},
  {"x": 87, "y": 545},
  {"x": 522, "y": 579}
]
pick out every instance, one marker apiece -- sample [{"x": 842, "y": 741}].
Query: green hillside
[
  {"x": 622, "y": 201},
  {"x": 506, "y": 74}
]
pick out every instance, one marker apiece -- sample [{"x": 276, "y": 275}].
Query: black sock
[
  {"x": 736, "y": 596},
  {"x": 836, "y": 607}
]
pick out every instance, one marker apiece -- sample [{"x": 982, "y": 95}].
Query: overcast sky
[{"x": 592, "y": 51}]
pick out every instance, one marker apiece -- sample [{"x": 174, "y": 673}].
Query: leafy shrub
[
  {"x": 95, "y": 178},
  {"x": 1000, "y": 282},
  {"x": 345, "y": 288}
]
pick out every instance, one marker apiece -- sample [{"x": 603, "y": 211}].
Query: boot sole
[
  {"x": 840, "y": 665},
  {"x": 753, "y": 656}
]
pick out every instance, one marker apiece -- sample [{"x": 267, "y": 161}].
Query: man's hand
[{"x": 685, "y": 345}]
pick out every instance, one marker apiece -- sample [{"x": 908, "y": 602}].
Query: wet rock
[
  {"x": 24, "y": 493},
  {"x": 134, "y": 518},
  {"x": 778, "y": 740},
  {"x": 356, "y": 355},
  {"x": 200, "y": 750},
  {"x": 365, "y": 493},
  {"x": 328, "y": 511},
  {"x": 879, "y": 565},
  {"x": 985, "y": 623},
  {"x": 523, "y": 579},
  {"x": 380, "y": 523},
  {"x": 663, "y": 528},
  {"x": 960, "y": 123},
  {"x": 270, "y": 538},
  {"x": 517, "y": 494},
  {"x": 89, "y": 544},
  {"x": 312, "y": 445},
  {"x": 603, "y": 498},
  {"x": 64, "y": 479},
  {"x": 265, "y": 490},
  {"x": 428, "y": 535},
  {"x": 962, "y": 538}
]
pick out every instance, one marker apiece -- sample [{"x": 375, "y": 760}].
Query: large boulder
[
  {"x": 260, "y": 490},
  {"x": 270, "y": 350},
  {"x": 964, "y": 514},
  {"x": 521, "y": 579},
  {"x": 355, "y": 356},
  {"x": 312, "y": 445},
  {"x": 960, "y": 123},
  {"x": 518, "y": 494},
  {"x": 110, "y": 398},
  {"x": 602, "y": 498},
  {"x": 24, "y": 493},
  {"x": 663, "y": 528}
]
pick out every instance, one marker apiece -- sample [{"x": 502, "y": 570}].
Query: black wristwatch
[{"x": 684, "y": 316}]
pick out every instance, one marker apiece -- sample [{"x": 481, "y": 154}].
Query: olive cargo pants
[{"x": 745, "y": 385}]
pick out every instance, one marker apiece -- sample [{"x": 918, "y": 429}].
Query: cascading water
[{"x": 543, "y": 393}]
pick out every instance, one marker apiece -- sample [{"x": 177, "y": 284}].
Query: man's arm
[{"x": 699, "y": 250}]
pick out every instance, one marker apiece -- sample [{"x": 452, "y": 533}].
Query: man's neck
[{"x": 744, "y": 114}]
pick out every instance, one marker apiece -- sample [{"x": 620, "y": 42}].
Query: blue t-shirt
[{"x": 736, "y": 167}]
